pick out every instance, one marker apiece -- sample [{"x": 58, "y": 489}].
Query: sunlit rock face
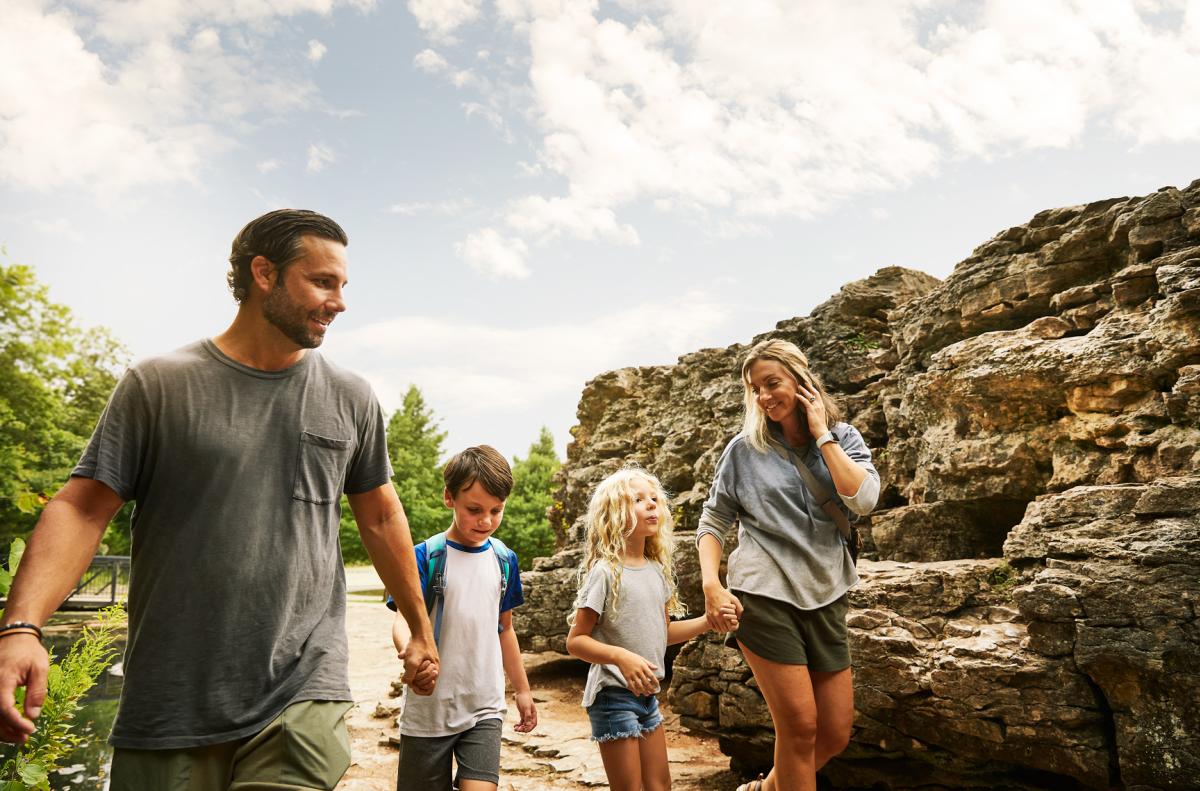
[{"x": 1027, "y": 616}]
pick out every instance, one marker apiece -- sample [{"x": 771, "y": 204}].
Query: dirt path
[{"x": 557, "y": 756}]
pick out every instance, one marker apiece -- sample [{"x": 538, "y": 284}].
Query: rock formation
[{"x": 1028, "y": 611}]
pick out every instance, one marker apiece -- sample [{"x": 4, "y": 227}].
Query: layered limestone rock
[{"x": 1027, "y": 615}]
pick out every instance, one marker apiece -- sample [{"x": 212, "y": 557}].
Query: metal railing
[{"x": 105, "y": 583}]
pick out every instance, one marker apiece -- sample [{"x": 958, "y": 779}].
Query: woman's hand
[
  {"x": 721, "y": 608},
  {"x": 814, "y": 409},
  {"x": 638, "y": 673}
]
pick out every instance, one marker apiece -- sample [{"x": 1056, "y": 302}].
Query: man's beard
[{"x": 290, "y": 319}]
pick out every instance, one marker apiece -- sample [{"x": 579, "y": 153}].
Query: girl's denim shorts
[{"x": 617, "y": 713}]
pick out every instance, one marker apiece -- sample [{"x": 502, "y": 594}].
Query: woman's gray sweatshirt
[{"x": 788, "y": 548}]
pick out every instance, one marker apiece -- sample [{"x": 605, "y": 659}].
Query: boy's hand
[
  {"x": 638, "y": 673},
  {"x": 425, "y": 679},
  {"x": 528, "y": 712},
  {"x": 420, "y": 662}
]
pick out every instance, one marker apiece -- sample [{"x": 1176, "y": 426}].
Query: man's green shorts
[
  {"x": 305, "y": 747},
  {"x": 783, "y": 633}
]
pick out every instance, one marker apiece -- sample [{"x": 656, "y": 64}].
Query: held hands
[
  {"x": 638, "y": 673},
  {"x": 721, "y": 608},
  {"x": 23, "y": 662},
  {"x": 421, "y": 665},
  {"x": 528, "y": 712}
]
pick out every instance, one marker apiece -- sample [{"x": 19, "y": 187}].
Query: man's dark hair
[
  {"x": 481, "y": 463},
  {"x": 276, "y": 237}
]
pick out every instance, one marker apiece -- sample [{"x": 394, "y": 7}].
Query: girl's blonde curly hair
[{"x": 610, "y": 520}]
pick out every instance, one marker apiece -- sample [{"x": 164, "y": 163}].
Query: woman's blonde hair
[
  {"x": 610, "y": 520},
  {"x": 795, "y": 363}
]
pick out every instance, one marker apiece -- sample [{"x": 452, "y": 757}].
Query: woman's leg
[
  {"x": 788, "y": 690},
  {"x": 656, "y": 771},
  {"x": 622, "y": 763},
  {"x": 834, "y": 693}
]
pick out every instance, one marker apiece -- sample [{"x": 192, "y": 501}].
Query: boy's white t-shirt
[{"x": 470, "y": 684}]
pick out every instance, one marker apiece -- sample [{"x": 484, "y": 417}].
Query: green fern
[{"x": 66, "y": 684}]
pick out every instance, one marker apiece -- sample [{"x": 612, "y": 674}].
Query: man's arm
[
  {"x": 514, "y": 668},
  {"x": 60, "y": 549},
  {"x": 385, "y": 536}
]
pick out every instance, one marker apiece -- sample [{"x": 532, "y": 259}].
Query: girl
[
  {"x": 793, "y": 566},
  {"x": 621, "y": 625}
]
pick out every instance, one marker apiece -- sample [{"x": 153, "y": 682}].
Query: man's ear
[
  {"x": 447, "y": 498},
  {"x": 263, "y": 273}
]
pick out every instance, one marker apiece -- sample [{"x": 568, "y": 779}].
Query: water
[{"x": 85, "y": 768}]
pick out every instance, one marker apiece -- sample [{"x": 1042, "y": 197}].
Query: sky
[{"x": 538, "y": 191}]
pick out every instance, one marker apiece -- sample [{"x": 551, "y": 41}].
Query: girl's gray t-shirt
[
  {"x": 237, "y": 595},
  {"x": 637, "y": 623}
]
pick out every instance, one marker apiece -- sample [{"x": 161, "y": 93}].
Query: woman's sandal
[{"x": 753, "y": 785}]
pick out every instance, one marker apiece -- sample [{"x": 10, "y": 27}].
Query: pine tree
[
  {"x": 415, "y": 449},
  {"x": 525, "y": 527}
]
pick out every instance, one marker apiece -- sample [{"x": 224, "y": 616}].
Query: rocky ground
[{"x": 556, "y": 756}]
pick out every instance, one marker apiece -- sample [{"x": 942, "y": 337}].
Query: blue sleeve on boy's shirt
[
  {"x": 422, "y": 572},
  {"x": 513, "y": 597}
]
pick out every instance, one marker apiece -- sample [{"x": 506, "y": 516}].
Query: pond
[{"x": 86, "y": 768}]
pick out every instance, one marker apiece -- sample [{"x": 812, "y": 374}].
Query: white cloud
[
  {"x": 268, "y": 165},
  {"x": 430, "y": 62},
  {"x": 545, "y": 219},
  {"x": 116, "y": 95},
  {"x": 499, "y": 370},
  {"x": 494, "y": 255},
  {"x": 319, "y": 157},
  {"x": 743, "y": 112},
  {"x": 440, "y": 18},
  {"x": 316, "y": 50}
]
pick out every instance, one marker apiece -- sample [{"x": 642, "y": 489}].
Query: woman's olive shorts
[{"x": 784, "y": 633}]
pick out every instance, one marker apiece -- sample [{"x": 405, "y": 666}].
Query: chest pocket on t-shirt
[{"x": 321, "y": 468}]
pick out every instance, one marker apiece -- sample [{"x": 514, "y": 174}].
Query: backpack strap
[
  {"x": 435, "y": 580},
  {"x": 822, "y": 495},
  {"x": 503, "y": 557}
]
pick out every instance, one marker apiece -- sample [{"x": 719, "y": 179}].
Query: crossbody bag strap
[{"x": 823, "y": 496}]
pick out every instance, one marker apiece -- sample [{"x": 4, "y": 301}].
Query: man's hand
[
  {"x": 23, "y": 663},
  {"x": 528, "y": 711},
  {"x": 424, "y": 679},
  {"x": 421, "y": 666}
]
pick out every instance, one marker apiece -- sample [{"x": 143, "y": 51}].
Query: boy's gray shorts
[{"x": 425, "y": 761}]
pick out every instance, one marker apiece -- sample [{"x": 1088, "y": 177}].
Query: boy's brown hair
[{"x": 481, "y": 463}]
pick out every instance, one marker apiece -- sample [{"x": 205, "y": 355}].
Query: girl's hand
[
  {"x": 814, "y": 409},
  {"x": 528, "y": 712},
  {"x": 721, "y": 608},
  {"x": 638, "y": 673},
  {"x": 729, "y": 618}
]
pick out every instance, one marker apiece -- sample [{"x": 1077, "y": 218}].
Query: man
[{"x": 236, "y": 450}]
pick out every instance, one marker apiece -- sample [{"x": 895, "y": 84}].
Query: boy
[{"x": 471, "y": 583}]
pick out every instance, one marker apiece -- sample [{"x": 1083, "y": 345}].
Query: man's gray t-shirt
[
  {"x": 237, "y": 594},
  {"x": 638, "y": 623}
]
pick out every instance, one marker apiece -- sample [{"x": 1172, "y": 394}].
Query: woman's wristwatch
[{"x": 828, "y": 436}]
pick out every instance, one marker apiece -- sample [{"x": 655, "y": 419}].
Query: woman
[{"x": 792, "y": 567}]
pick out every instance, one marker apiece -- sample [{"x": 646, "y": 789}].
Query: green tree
[
  {"x": 55, "y": 378},
  {"x": 415, "y": 448},
  {"x": 525, "y": 527}
]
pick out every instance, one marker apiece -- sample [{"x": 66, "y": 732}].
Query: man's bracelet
[{"x": 20, "y": 627}]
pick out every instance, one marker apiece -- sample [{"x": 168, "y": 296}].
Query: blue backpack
[{"x": 435, "y": 576}]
